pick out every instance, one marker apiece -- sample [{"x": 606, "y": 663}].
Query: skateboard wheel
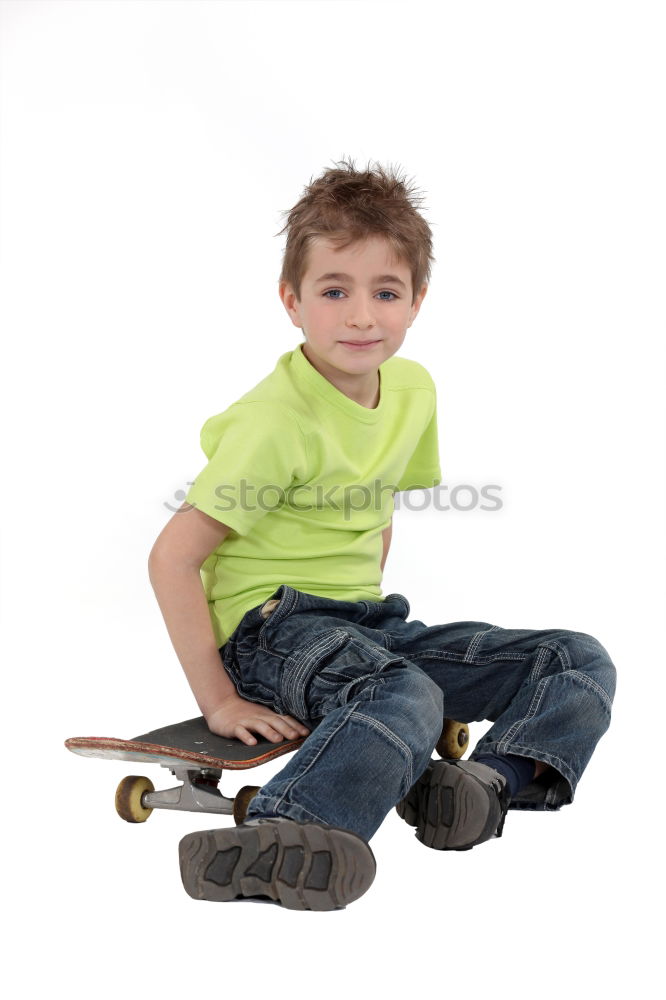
[
  {"x": 129, "y": 795},
  {"x": 242, "y": 801},
  {"x": 454, "y": 739}
]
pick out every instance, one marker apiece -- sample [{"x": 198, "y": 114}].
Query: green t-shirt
[{"x": 304, "y": 477}]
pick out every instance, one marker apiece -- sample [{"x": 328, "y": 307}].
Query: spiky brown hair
[{"x": 345, "y": 205}]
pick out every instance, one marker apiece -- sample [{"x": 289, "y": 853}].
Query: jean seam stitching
[
  {"x": 445, "y": 654},
  {"x": 277, "y": 615},
  {"x": 561, "y": 652},
  {"x": 592, "y": 684},
  {"x": 393, "y": 738},
  {"x": 476, "y": 639},
  {"x": 312, "y": 815},
  {"x": 541, "y": 658},
  {"x": 281, "y": 613},
  {"x": 306, "y": 664},
  {"x": 531, "y": 712},
  {"x": 316, "y": 756}
]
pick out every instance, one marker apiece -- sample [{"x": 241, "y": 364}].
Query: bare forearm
[{"x": 182, "y": 601}]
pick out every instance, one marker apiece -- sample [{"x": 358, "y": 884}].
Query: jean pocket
[
  {"x": 257, "y": 679},
  {"x": 330, "y": 671}
]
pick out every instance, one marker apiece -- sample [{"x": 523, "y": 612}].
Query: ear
[
  {"x": 290, "y": 302},
  {"x": 417, "y": 303}
]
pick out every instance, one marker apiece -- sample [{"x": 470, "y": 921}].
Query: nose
[{"x": 360, "y": 314}]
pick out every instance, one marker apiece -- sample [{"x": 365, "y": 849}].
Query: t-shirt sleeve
[
  {"x": 255, "y": 451},
  {"x": 423, "y": 470}
]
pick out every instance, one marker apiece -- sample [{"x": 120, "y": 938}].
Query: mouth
[{"x": 360, "y": 343}]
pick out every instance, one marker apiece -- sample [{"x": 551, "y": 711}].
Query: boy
[{"x": 288, "y": 528}]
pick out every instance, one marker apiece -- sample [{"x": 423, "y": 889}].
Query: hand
[{"x": 234, "y": 717}]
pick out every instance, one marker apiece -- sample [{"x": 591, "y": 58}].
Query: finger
[
  {"x": 241, "y": 733},
  {"x": 265, "y": 728},
  {"x": 292, "y": 727},
  {"x": 282, "y": 724}
]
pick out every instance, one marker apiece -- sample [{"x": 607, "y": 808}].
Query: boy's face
[{"x": 366, "y": 307}]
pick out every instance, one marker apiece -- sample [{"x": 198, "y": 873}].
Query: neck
[{"x": 362, "y": 389}]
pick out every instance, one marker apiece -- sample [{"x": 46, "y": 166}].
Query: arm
[
  {"x": 386, "y": 539},
  {"x": 174, "y": 569}
]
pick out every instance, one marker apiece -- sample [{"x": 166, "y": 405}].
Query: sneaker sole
[
  {"x": 303, "y": 866},
  {"x": 451, "y": 808}
]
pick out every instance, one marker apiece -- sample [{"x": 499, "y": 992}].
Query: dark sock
[{"x": 518, "y": 771}]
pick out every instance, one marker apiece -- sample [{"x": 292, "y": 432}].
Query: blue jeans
[{"x": 374, "y": 689}]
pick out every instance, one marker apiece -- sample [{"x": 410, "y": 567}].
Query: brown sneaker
[
  {"x": 302, "y": 866},
  {"x": 456, "y": 804}
]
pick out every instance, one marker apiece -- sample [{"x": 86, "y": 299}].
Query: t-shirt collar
[{"x": 328, "y": 391}]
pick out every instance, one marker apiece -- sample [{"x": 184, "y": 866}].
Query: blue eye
[{"x": 384, "y": 292}]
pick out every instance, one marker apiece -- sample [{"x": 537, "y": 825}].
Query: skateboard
[{"x": 197, "y": 758}]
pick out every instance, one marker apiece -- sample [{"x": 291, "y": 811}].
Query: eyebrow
[{"x": 339, "y": 276}]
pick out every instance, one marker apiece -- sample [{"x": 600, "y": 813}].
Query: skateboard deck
[
  {"x": 191, "y": 752},
  {"x": 190, "y": 742}
]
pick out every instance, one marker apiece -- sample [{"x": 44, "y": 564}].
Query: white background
[{"x": 148, "y": 150}]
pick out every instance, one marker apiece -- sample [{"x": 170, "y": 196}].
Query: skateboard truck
[
  {"x": 136, "y": 796},
  {"x": 198, "y": 793}
]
